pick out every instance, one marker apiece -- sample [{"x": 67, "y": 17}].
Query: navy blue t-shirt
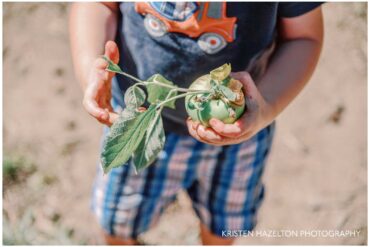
[{"x": 160, "y": 37}]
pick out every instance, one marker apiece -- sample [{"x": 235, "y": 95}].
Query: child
[{"x": 273, "y": 49}]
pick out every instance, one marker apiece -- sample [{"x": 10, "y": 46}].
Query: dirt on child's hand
[{"x": 98, "y": 93}]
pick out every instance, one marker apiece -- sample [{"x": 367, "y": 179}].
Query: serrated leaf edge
[{"x": 107, "y": 168}]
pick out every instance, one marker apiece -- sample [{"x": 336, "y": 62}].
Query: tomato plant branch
[
  {"x": 178, "y": 89},
  {"x": 182, "y": 95},
  {"x": 167, "y": 97},
  {"x": 145, "y": 83},
  {"x": 142, "y": 136},
  {"x": 127, "y": 75}
]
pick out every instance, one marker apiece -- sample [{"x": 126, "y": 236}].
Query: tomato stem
[
  {"x": 127, "y": 75},
  {"x": 178, "y": 89},
  {"x": 182, "y": 95},
  {"x": 168, "y": 97},
  {"x": 145, "y": 83}
]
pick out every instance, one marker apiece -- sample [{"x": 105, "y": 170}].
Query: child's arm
[
  {"x": 91, "y": 26},
  {"x": 294, "y": 61},
  {"x": 288, "y": 72}
]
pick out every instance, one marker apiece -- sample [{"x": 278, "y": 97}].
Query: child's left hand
[{"x": 258, "y": 115}]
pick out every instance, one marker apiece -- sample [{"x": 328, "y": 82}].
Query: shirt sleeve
[{"x": 294, "y": 9}]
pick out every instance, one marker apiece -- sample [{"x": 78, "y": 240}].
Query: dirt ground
[{"x": 316, "y": 178}]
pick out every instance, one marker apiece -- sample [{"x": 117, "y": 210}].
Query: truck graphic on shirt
[{"x": 206, "y": 20}]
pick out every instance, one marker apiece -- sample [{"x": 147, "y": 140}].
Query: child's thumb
[
  {"x": 250, "y": 90},
  {"x": 249, "y": 87},
  {"x": 111, "y": 51}
]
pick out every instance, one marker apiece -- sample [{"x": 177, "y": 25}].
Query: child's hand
[
  {"x": 98, "y": 91},
  {"x": 258, "y": 115}
]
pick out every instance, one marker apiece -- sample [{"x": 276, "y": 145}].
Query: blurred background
[{"x": 316, "y": 177}]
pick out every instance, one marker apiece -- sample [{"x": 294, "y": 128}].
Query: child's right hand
[{"x": 98, "y": 94}]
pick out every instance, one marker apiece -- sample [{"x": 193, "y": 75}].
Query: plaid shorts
[{"x": 224, "y": 184}]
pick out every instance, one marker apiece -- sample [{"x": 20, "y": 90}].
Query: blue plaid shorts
[{"x": 224, "y": 184}]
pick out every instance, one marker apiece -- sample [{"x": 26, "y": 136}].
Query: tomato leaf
[
  {"x": 112, "y": 66},
  {"x": 119, "y": 126},
  {"x": 158, "y": 93},
  {"x": 134, "y": 97},
  {"x": 150, "y": 145},
  {"x": 128, "y": 133},
  {"x": 230, "y": 95},
  {"x": 221, "y": 72}
]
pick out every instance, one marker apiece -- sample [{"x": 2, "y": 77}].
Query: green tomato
[{"x": 215, "y": 107}]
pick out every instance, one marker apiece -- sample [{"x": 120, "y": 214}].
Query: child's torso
[{"x": 185, "y": 42}]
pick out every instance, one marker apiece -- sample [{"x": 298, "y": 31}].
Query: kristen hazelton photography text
[
  {"x": 237, "y": 123},
  {"x": 292, "y": 233}
]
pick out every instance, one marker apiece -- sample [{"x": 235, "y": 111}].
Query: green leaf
[
  {"x": 158, "y": 93},
  {"x": 112, "y": 66},
  {"x": 121, "y": 144},
  {"x": 151, "y": 145},
  {"x": 119, "y": 126},
  {"x": 134, "y": 97},
  {"x": 230, "y": 95},
  {"x": 221, "y": 72}
]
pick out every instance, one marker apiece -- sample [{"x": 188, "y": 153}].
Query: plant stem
[
  {"x": 160, "y": 84},
  {"x": 189, "y": 90},
  {"x": 145, "y": 83},
  {"x": 182, "y": 95},
  {"x": 169, "y": 94},
  {"x": 167, "y": 97},
  {"x": 128, "y": 75},
  {"x": 178, "y": 89}
]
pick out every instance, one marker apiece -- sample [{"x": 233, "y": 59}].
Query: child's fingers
[
  {"x": 99, "y": 72},
  {"x": 208, "y": 134},
  {"x": 104, "y": 116},
  {"x": 94, "y": 110},
  {"x": 111, "y": 51},
  {"x": 245, "y": 79},
  {"x": 191, "y": 130},
  {"x": 242, "y": 76},
  {"x": 91, "y": 105},
  {"x": 100, "y": 64},
  {"x": 228, "y": 130},
  {"x": 113, "y": 117},
  {"x": 211, "y": 137},
  {"x": 95, "y": 103},
  {"x": 250, "y": 89},
  {"x": 194, "y": 133}
]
